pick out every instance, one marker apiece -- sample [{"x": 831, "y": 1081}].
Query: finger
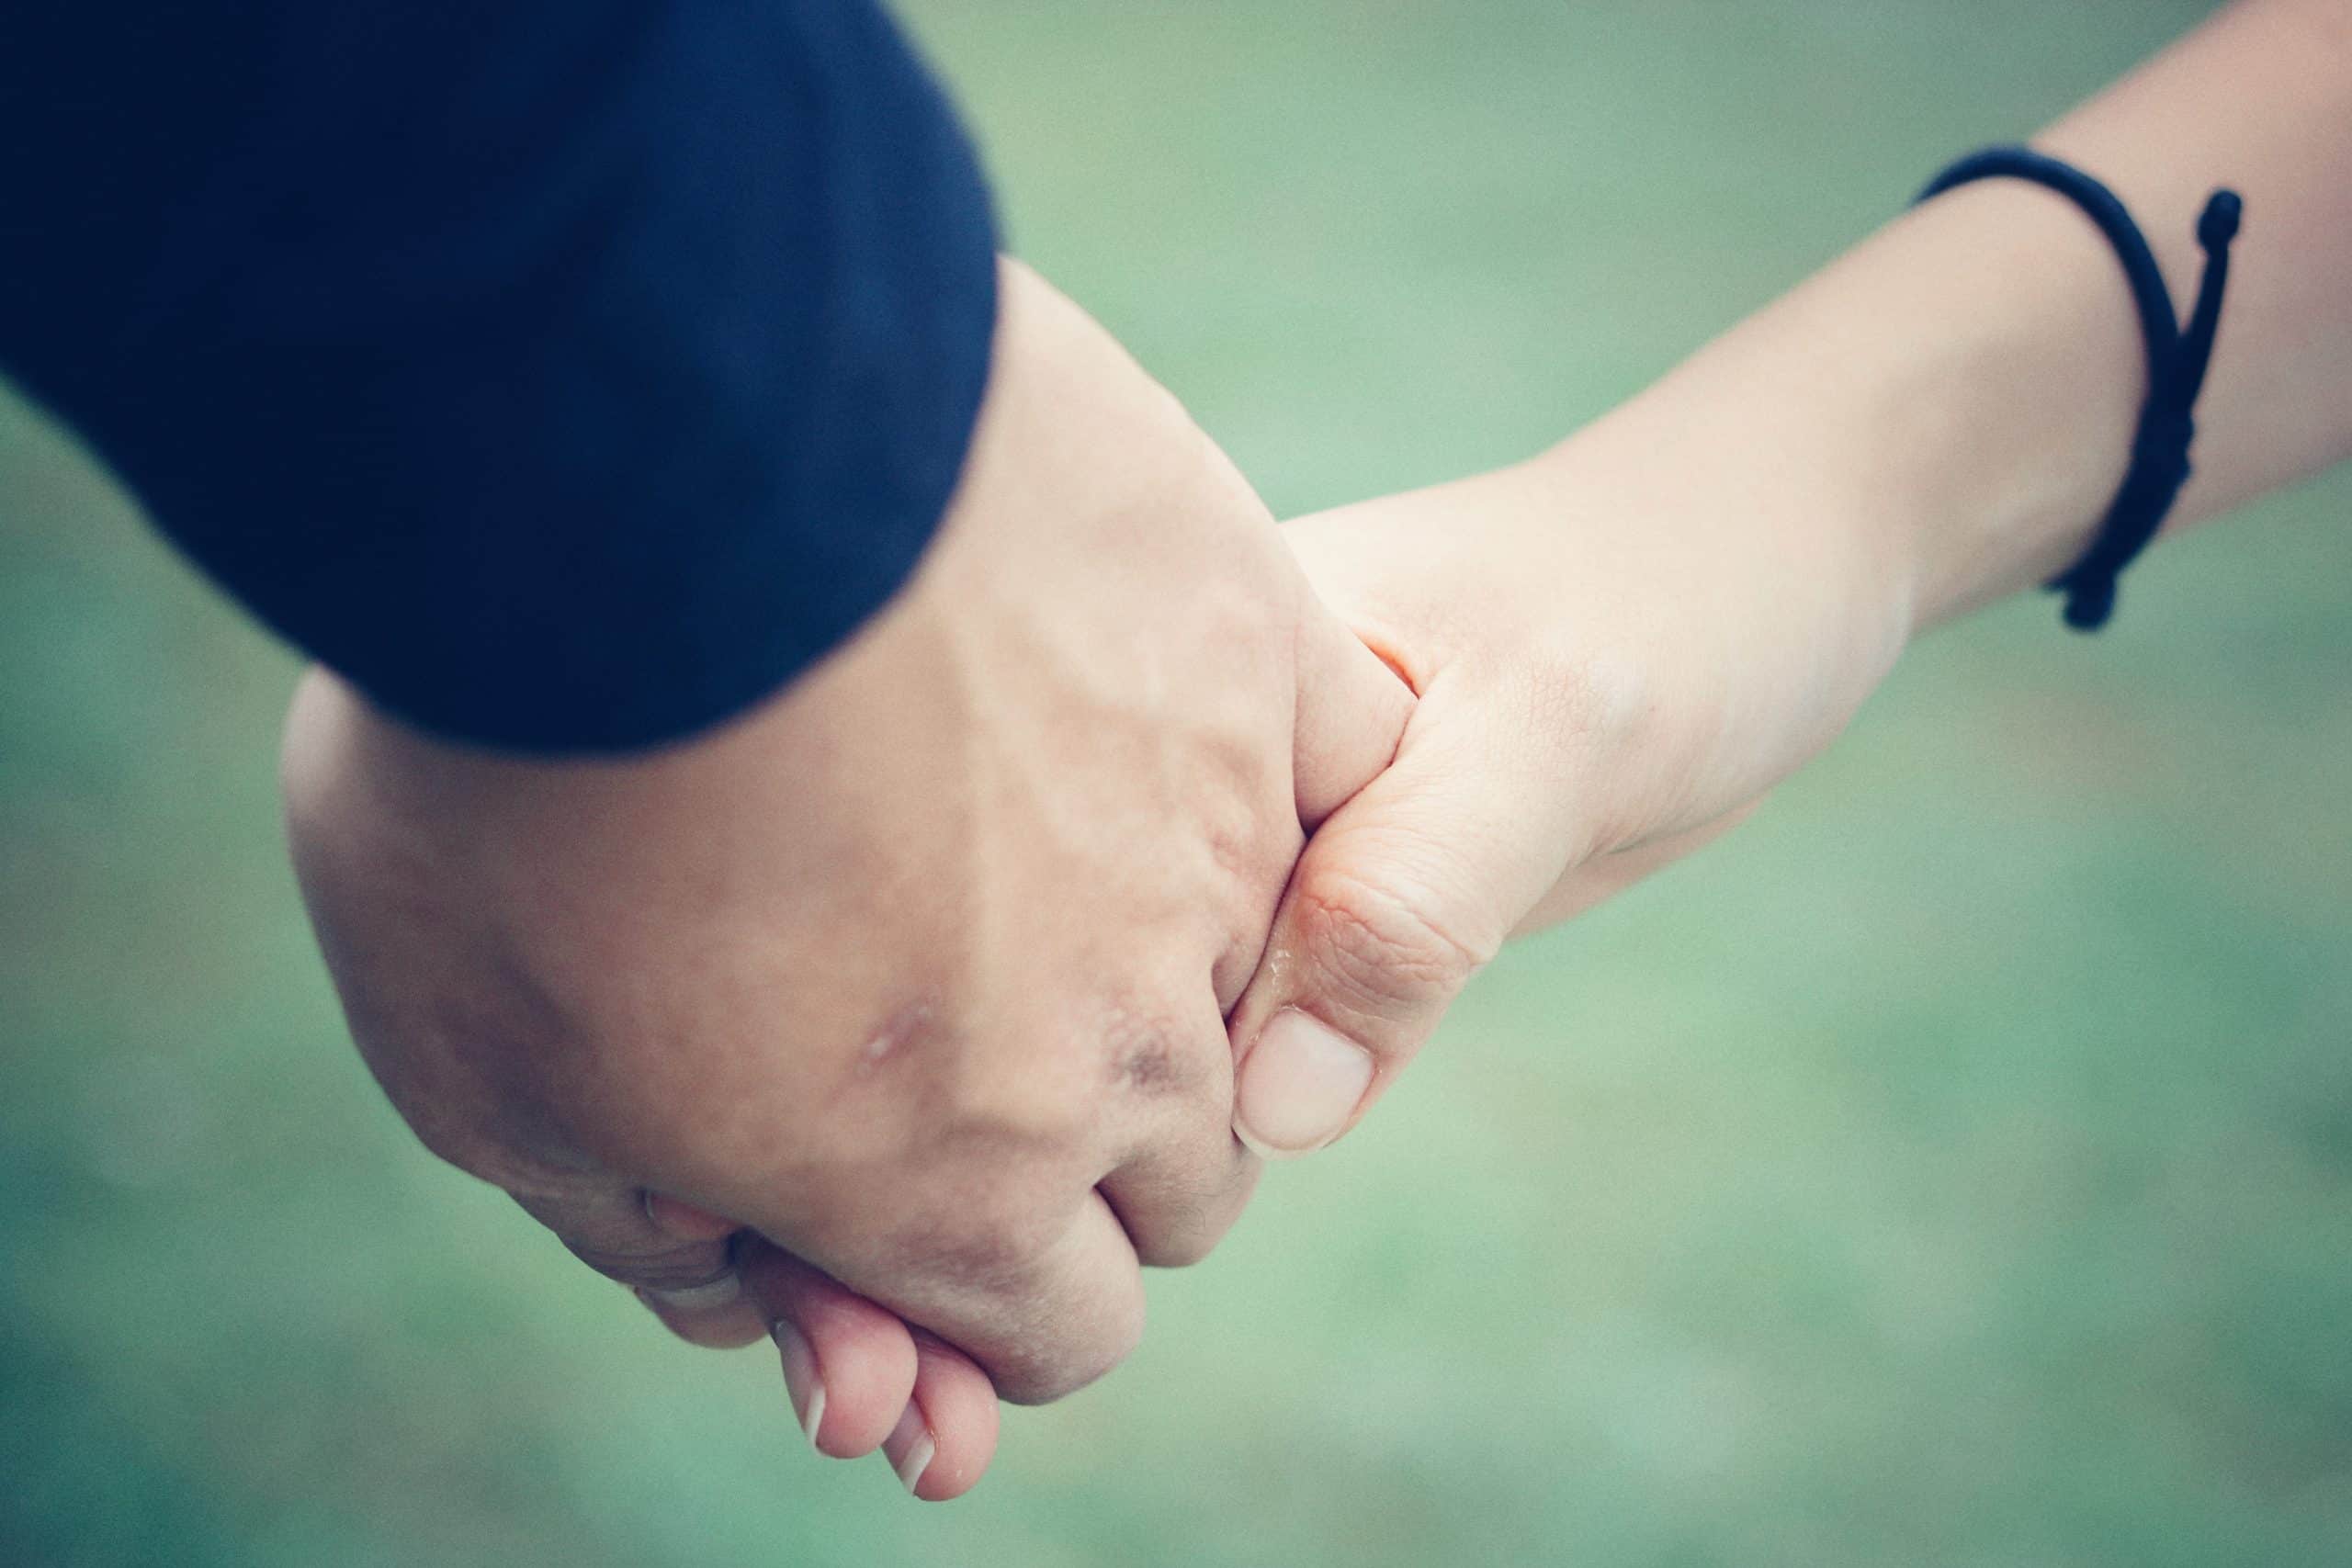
[
  {"x": 1185, "y": 1178},
  {"x": 720, "y": 1320},
  {"x": 849, "y": 1365},
  {"x": 1352, "y": 710},
  {"x": 947, "y": 1433},
  {"x": 1041, "y": 1319},
  {"x": 1398, "y": 899},
  {"x": 717, "y": 1315},
  {"x": 1176, "y": 1201},
  {"x": 688, "y": 1280}
]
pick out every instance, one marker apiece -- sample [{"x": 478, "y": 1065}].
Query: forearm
[
  {"x": 1962, "y": 386},
  {"x": 1620, "y": 645},
  {"x": 2259, "y": 99}
]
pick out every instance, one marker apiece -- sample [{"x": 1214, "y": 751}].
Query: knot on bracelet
[{"x": 2178, "y": 356}]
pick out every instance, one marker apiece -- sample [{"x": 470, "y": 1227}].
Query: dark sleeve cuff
[{"x": 567, "y": 374}]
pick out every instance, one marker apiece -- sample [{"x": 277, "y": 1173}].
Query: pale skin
[
  {"x": 1617, "y": 647},
  {"x": 1620, "y": 645}
]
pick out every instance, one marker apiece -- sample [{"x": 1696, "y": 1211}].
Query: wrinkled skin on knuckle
[
  {"x": 1193, "y": 1244},
  {"x": 1374, "y": 952}
]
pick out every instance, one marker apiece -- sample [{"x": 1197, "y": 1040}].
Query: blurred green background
[{"x": 1955, "y": 1166}]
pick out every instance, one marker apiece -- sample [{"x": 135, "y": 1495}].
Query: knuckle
[
  {"x": 1122, "y": 1333},
  {"x": 1048, "y": 1372},
  {"x": 1181, "y": 1249},
  {"x": 995, "y": 1248},
  {"x": 1373, "y": 946},
  {"x": 1177, "y": 1229},
  {"x": 1150, "y": 1055}
]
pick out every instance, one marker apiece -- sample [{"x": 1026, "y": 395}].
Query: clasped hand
[{"x": 906, "y": 1016}]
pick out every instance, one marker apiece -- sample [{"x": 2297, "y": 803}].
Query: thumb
[
  {"x": 1352, "y": 712},
  {"x": 1400, "y": 896}
]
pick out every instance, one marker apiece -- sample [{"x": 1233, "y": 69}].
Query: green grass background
[{"x": 1955, "y": 1166}]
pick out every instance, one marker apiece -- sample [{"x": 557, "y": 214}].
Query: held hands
[
  {"x": 927, "y": 1002},
  {"x": 918, "y": 972},
  {"x": 926, "y": 995}
]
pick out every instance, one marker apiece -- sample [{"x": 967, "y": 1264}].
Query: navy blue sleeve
[{"x": 567, "y": 374}]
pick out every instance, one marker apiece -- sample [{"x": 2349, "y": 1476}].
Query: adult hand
[{"x": 917, "y": 971}]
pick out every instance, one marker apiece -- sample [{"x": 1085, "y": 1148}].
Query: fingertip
[
  {"x": 869, "y": 1375},
  {"x": 849, "y": 1364},
  {"x": 954, "y": 1411}
]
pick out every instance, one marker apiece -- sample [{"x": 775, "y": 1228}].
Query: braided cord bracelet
[{"x": 2176, "y": 361}]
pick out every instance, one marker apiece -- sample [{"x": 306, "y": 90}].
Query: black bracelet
[{"x": 2177, "y": 360}]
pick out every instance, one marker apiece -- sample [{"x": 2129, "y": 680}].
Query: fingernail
[
  {"x": 800, "y": 1378},
  {"x": 912, "y": 1441},
  {"x": 695, "y": 1298},
  {"x": 1298, "y": 1087}
]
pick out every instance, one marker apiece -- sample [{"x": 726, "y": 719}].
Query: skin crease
[
  {"x": 1614, "y": 657},
  {"x": 918, "y": 972}
]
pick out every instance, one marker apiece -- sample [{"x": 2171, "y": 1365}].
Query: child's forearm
[
  {"x": 1623, "y": 643},
  {"x": 1964, "y": 383}
]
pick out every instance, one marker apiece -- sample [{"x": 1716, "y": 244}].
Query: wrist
[
  {"x": 1950, "y": 405},
  {"x": 1938, "y": 419},
  {"x": 1989, "y": 372}
]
